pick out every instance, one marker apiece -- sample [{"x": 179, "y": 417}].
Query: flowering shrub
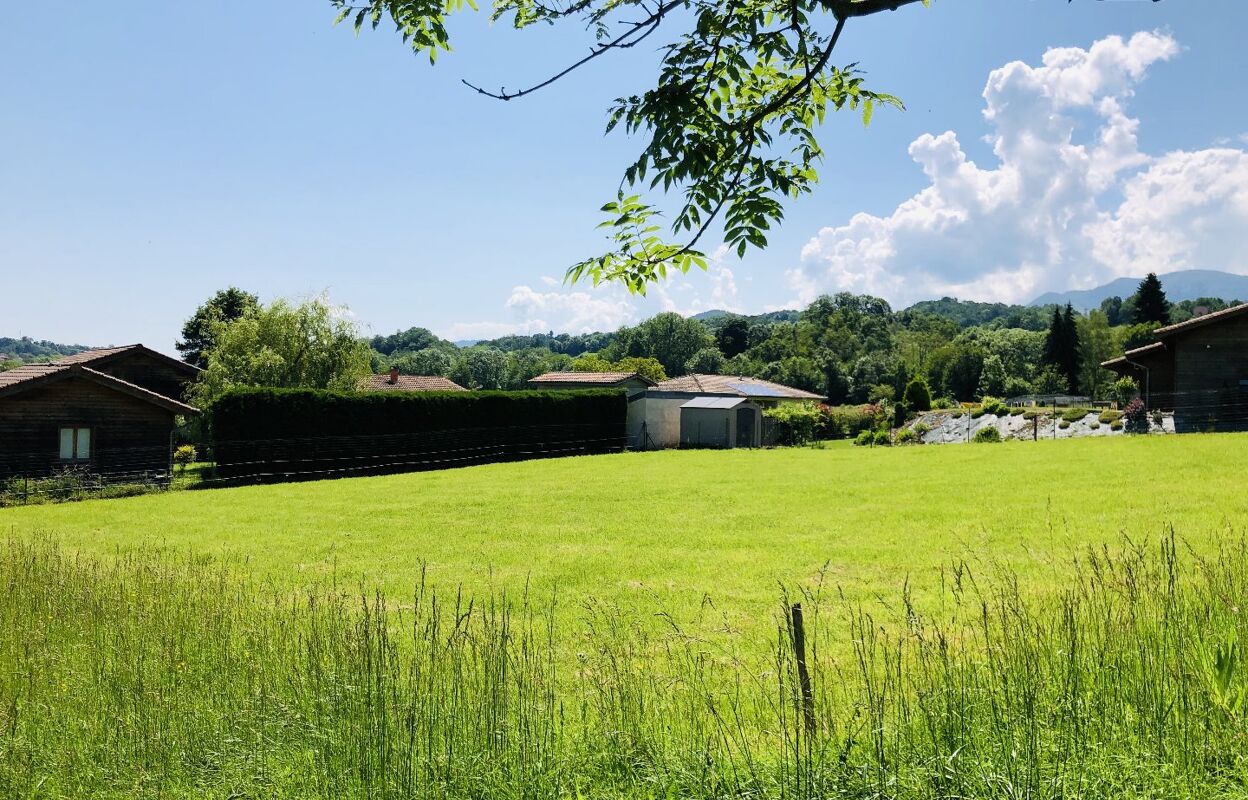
[{"x": 1135, "y": 417}]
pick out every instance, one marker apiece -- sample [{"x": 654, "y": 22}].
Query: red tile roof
[
  {"x": 735, "y": 386},
  {"x": 27, "y": 373},
  {"x": 31, "y": 376},
  {"x": 593, "y": 378},
  {"x": 411, "y": 383},
  {"x": 100, "y": 354}
]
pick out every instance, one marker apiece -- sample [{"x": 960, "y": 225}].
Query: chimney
[{"x": 394, "y": 376}]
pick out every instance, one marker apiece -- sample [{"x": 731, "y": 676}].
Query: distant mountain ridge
[{"x": 1188, "y": 284}]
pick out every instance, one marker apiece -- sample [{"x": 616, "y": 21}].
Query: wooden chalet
[
  {"x": 110, "y": 411},
  {"x": 1197, "y": 368}
]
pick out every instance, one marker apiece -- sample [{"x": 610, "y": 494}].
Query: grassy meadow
[
  {"x": 1021, "y": 620},
  {"x": 678, "y": 531}
]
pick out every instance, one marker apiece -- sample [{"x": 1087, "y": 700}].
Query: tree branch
[
  {"x": 755, "y": 119},
  {"x": 650, "y": 24},
  {"x": 844, "y": 9}
]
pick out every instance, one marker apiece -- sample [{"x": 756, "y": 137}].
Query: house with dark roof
[
  {"x": 1197, "y": 368},
  {"x": 394, "y": 382},
  {"x": 109, "y": 411}
]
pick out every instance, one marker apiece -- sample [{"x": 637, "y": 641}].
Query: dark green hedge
[{"x": 303, "y": 432}]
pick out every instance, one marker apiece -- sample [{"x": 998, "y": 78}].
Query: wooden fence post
[{"x": 803, "y": 674}]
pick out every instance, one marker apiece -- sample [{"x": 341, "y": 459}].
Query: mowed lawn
[{"x": 670, "y": 530}]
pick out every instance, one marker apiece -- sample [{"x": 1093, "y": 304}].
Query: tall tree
[
  {"x": 669, "y": 338},
  {"x": 1055, "y": 343},
  {"x": 1096, "y": 345},
  {"x": 1111, "y": 307},
  {"x": 312, "y": 345},
  {"x": 1151, "y": 304},
  {"x": 731, "y": 122},
  {"x": 1072, "y": 357},
  {"x": 733, "y": 337},
  {"x": 1061, "y": 346},
  {"x": 199, "y": 332}
]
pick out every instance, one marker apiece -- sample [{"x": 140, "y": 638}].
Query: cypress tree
[
  {"x": 1151, "y": 304},
  {"x": 1070, "y": 357},
  {"x": 1054, "y": 342}
]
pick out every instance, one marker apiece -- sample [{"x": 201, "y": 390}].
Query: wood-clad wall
[
  {"x": 129, "y": 435},
  {"x": 1211, "y": 362}
]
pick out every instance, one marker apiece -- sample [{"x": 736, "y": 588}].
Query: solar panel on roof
[{"x": 754, "y": 390}]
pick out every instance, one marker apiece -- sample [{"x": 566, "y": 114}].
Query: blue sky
[{"x": 151, "y": 156}]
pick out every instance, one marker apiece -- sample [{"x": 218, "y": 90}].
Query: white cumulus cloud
[
  {"x": 1070, "y": 202},
  {"x": 606, "y": 307}
]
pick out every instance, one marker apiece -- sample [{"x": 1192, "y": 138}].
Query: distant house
[
  {"x": 707, "y": 411},
  {"x": 1197, "y": 368},
  {"x": 108, "y": 411},
  {"x": 393, "y": 381},
  {"x": 632, "y": 382}
]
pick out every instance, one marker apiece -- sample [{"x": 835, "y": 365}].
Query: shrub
[
  {"x": 1014, "y": 412},
  {"x": 991, "y": 405},
  {"x": 1075, "y": 414},
  {"x": 1064, "y": 424},
  {"x": 944, "y": 403},
  {"x": 1096, "y": 426},
  {"x": 1125, "y": 389},
  {"x": 918, "y": 395},
  {"x": 1116, "y": 425},
  {"x": 794, "y": 423},
  {"x": 864, "y": 438},
  {"x": 1109, "y": 417},
  {"x": 987, "y": 435},
  {"x": 922, "y": 428},
  {"x": 184, "y": 455},
  {"x": 846, "y": 422},
  {"x": 907, "y": 436},
  {"x": 882, "y": 393},
  {"x": 1032, "y": 414},
  {"x": 1135, "y": 417},
  {"x": 956, "y": 415},
  {"x": 882, "y": 439}
]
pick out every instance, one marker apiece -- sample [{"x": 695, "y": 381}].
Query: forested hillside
[
  {"x": 14, "y": 352},
  {"x": 851, "y": 348}
]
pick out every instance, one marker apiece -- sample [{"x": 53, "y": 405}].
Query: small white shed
[{"x": 720, "y": 422}]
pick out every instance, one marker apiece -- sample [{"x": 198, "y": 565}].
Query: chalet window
[{"x": 75, "y": 444}]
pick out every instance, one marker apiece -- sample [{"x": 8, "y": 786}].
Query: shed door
[{"x": 745, "y": 427}]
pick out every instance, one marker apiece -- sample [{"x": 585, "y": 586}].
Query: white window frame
[{"x": 76, "y": 439}]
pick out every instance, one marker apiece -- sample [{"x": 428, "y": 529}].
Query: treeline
[
  {"x": 850, "y": 348},
  {"x": 15, "y": 352}
]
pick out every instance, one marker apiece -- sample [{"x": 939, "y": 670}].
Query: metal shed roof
[{"x": 714, "y": 402}]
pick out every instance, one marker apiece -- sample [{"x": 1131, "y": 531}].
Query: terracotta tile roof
[
  {"x": 27, "y": 373},
  {"x": 87, "y": 356},
  {"x": 18, "y": 380},
  {"x": 410, "y": 383},
  {"x": 593, "y": 378},
  {"x": 735, "y": 386},
  {"x": 1194, "y": 322},
  {"x": 99, "y": 354}
]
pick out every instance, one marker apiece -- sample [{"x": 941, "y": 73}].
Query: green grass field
[
  {"x": 132, "y": 666},
  {"x": 668, "y": 529}
]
